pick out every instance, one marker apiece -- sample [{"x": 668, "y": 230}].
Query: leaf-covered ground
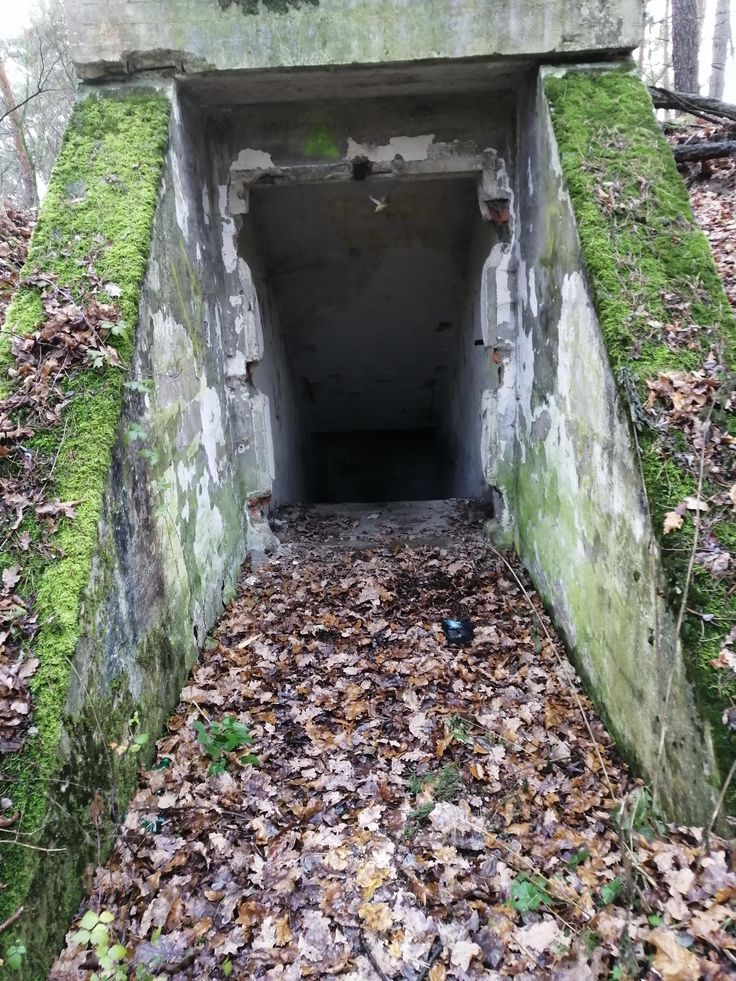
[
  {"x": 712, "y": 189},
  {"x": 417, "y": 810}
]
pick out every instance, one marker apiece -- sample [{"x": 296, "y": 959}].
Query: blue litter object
[{"x": 458, "y": 632}]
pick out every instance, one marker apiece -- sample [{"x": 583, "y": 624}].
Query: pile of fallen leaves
[
  {"x": 712, "y": 186},
  {"x": 37, "y": 378},
  {"x": 699, "y": 404},
  {"x": 342, "y": 793},
  {"x": 16, "y": 227}
]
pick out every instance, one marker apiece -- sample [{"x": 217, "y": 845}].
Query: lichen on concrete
[
  {"x": 99, "y": 209},
  {"x": 277, "y": 6},
  {"x": 109, "y": 38},
  {"x": 648, "y": 263}
]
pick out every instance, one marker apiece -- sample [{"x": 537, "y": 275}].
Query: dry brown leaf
[{"x": 673, "y": 962}]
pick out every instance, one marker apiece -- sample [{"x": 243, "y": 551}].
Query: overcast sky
[{"x": 14, "y": 17}]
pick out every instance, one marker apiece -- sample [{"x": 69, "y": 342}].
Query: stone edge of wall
[
  {"x": 624, "y": 107},
  {"x": 101, "y": 202}
]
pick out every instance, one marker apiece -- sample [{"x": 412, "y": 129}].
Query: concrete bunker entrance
[{"x": 370, "y": 293}]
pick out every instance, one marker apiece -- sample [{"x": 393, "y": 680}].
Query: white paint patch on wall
[
  {"x": 533, "y": 293},
  {"x": 249, "y": 321},
  {"x": 250, "y": 159},
  {"x": 408, "y": 147},
  {"x": 263, "y": 438},
  {"x": 229, "y": 232},
  {"x": 488, "y": 433},
  {"x": 212, "y": 433},
  {"x": 206, "y": 204},
  {"x": 208, "y": 533},
  {"x": 235, "y": 366}
]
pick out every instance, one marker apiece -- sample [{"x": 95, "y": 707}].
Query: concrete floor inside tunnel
[{"x": 369, "y": 294}]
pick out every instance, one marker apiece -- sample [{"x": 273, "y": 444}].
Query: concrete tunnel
[{"x": 374, "y": 287}]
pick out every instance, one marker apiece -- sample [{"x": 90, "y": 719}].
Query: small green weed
[
  {"x": 459, "y": 730},
  {"x": 14, "y": 956},
  {"x": 434, "y": 786},
  {"x": 94, "y": 932},
  {"x": 611, "y": 891},
  {"x": 527, "y": 894},
  {"x": 224, "y": 737},
  {"x": 578, "y": 858}
]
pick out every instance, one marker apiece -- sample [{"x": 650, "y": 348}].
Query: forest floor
[
  {"x": 342, "y": 793},
  {"x": 712, "y": 187}
]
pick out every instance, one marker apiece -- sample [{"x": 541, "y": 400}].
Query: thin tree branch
[{"x": 698, "y": 105}]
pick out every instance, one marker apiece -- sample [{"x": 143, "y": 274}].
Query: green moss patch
[
  {"x": 99, "y": 210},
  {"x": 663, "y": 312}
]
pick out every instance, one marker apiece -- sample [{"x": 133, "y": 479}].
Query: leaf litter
[{"x": 415, "y": 810}]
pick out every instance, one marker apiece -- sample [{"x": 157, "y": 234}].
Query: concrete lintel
[
  {"x": 345, "y": 170},
  {"x": 485, "y": 167}
]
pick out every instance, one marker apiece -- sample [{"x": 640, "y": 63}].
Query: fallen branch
[
  {"x": 698, "y": 105},
  {"x": 366, "y": 949},
  {"x": 12, "y": 918},
  {"x": 435, "y": 951},
  {"x": 706, "y": 150}
]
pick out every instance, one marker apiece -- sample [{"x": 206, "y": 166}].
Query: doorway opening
[{"x": 372, "y": 324}]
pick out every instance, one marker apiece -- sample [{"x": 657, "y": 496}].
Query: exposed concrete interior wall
[
  {"x": 271, "y": 372},
  {"x": 473, "y": 372},
  {"x": 125, "y": 36},
  {"x": 581, "y": 521}
]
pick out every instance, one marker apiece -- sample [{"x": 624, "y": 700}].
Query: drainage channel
[{"x": 343, "y": 792}]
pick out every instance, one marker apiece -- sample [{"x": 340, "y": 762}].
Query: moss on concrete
[
  {"x": 99, "y": 208},
  {"x": 648, "y": 263}
]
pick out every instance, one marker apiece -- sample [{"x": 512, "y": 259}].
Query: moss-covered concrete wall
[
  {"x": 99, "y": 209},
  {"x": 607, "y": 235},
  {"x": 161, "y": 456},
  {"x": 124, "y": 36}
]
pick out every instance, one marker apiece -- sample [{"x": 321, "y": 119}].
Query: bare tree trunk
[
  {"x": 27, "y": 173},
  {"x": 685, "y": 44},
  {"x": 701, "y": 16},
  {"x": 721, "y": 44},
  {"x": 643, "y": 41},
  {"x": 667, "y": 41}
]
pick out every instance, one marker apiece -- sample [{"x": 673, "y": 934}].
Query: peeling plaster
[
  {"x": 229, "y": 232},
  {"x": 407, "y": 147},
  {"x": 249, "y": 159},
  {"x": 206, "y": 204},
  {"x": 212, "y": 434}
]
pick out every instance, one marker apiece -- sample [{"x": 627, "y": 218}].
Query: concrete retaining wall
[
  {"x": 125, "y": 36},
  {"x": 580, "y": 513}
]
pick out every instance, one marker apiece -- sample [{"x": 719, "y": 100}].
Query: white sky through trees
[{"x": 16, "y": 14}]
